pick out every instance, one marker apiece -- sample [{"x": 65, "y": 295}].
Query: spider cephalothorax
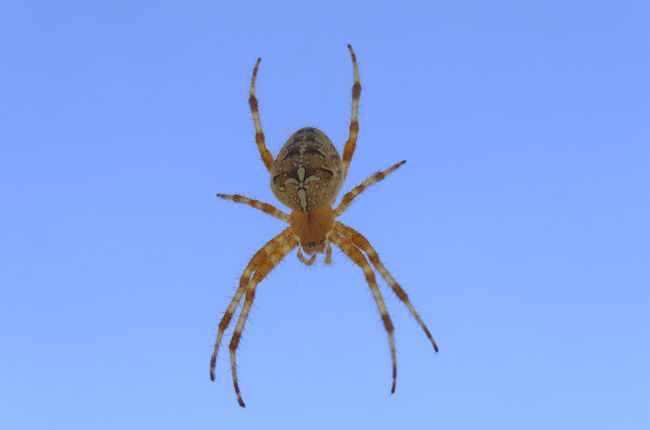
[{"x": 307, "y": 175}]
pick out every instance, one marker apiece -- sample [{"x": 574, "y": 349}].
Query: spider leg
[
  {"x": 269, "y": 263},
  {"x": 357, "y": 257},
  {"x": 351, "y": 143},
  {"x": 267, "y": 157},
  {"x": 306, "y": 261},
  {"x": 350, "y": 195},
  {"x": 264, "y": 207},
  {"x": 255, "y": 262},
  {"x": 362, "y": 243}
]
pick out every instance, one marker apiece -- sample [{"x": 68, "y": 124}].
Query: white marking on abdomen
[
  {"x": 302, "y": 198},
  {"x": 301, "y": 173}
]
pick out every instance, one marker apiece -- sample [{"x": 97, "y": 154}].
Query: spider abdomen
[{"x": 307, "y": 173}]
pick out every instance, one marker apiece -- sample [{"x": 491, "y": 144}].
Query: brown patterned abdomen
[{"x": 307, "y": 174}]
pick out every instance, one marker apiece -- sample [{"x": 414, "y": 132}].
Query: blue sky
[{"x": 519, "y": 225}]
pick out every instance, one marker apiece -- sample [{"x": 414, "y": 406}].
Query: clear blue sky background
[{"x": 519, "y": 225}]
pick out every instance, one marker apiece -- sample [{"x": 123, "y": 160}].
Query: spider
[{"x": 307, "y": 175}]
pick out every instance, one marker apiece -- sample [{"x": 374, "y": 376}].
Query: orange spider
[{"x": 307, "y": 176}]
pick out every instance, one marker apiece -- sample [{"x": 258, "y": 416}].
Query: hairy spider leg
[
  {"x": 351, "y": 143},
  {"x": 357, "y": 257},
  {"x": 354, "y": 192},
  {"x": 269, "y": 263},
  {"x": 267, "y": 208},
  {"x": 260, "y": 257},
  {"x": 267, "y": 157},
  {"x": 362, "y": 243}
]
